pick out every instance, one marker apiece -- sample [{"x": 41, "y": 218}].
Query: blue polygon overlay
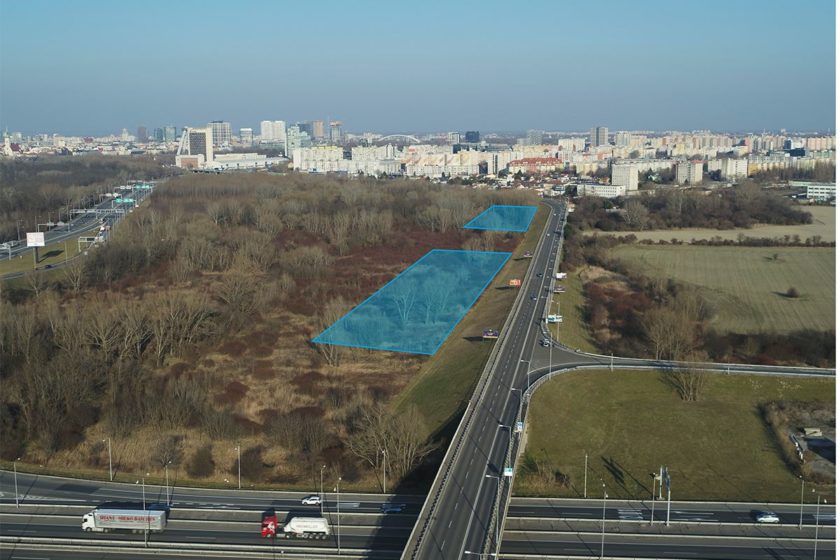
[
  {"x": 417, "y": 310},
  {"x": 504, "y": 218}
]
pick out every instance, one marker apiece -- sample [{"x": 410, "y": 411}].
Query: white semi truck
[
  {"x": 295, "y": 528},
  {"x": 135, "y": 520}
]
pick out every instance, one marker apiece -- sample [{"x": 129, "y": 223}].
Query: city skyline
[{"x": 726, "y": 67}]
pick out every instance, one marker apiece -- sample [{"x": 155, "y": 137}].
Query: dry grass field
[{"x": 747, "y": 285}]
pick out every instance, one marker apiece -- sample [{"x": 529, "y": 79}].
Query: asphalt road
[{"x": 461, "y": 518}]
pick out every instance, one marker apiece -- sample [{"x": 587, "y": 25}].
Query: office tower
[
  {"x": 195, "y": 148},
  {"x": 295, "y": 138},
  {"x": 318, "y": 131},
  {"x": 454, "y": 137},
  {"x": 221, "y": 133},
  {"x": 472, "y": 137},
  {"x": 124, "y": 135},
  {"x": 335, "y": 131},
  {"x": 170, "y": 133},
  {"x": 246, "y": 136},
  {"x": 142, "y": 134},
  {"x": 534, "y": 137},
  {"x": 158, "y": 135},
  {"x": 598, "y": 136},
  {"x": 305, "y": 127}
]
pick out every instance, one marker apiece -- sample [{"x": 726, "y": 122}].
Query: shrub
[
  {"x": 201, "y": 464},
  {"x": 792, "y": 293}
]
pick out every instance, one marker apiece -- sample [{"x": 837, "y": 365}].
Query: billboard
[{"x": 35, "y": 239}]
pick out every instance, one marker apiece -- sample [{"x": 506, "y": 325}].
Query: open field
[
  {"x": 746, "y": 285},
  {"x": 52, "y": 254},
  {"x": 825, "y": 225},
  {"x": 631, "y": 422},
  {"x": 572, "y": 332},
  {"x": 445, "y": 382}
]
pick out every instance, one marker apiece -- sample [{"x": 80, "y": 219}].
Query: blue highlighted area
[
  {"x": 504, "y": 218},
  {"x": 417, "y": 310}
]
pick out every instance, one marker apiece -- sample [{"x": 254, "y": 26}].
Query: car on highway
[
  {"x": 393, "y": 508},
  {"x": 533, "y": 297},
  {"x": 539, "y": 274},
  {"x": 766, "y": 517},
  {"x": 313, "y": 500},
  {"x": 545, "y": 343}
]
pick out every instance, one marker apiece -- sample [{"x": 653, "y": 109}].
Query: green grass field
[
  {"x": 824, "y": 225},
  {"x": 446, "y": 381},
  {"x": 631, "y": 422},
  {"x": 746, "y": 285}
]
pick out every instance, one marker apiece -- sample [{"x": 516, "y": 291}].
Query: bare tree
[
  {"x": 333, "y": 311},
  {"x": 688, "y": 382},
  {"x": 636, "y": 214}
]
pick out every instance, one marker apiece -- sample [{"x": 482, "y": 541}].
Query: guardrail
[{"x": 416, "y": 538}]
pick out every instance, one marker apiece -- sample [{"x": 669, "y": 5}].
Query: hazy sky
[{"x": 94, "y": 67}]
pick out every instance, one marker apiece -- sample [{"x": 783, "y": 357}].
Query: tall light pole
[
  {"x": 110, "y": 463},
  {"x": 383, "y": 471},
  {"x": 239, "y": 466},
  {"x": 585, "y": 471},
  {"x": 322, "y": 489},
  {"x": 338, "y": 512},
  {"x": 603, "y": 519},
  {"x": 817, "y": 527},
  {"x": 496, "y": 513},
  {"x": 17, "y": 496},
  {"x": 801, "y": 501},
  {"x": 166, "y": 470}
]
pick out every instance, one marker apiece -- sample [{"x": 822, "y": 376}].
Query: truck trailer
[
  {"x": 135, "y": 520},
  {"x": 295, "y": 528}
]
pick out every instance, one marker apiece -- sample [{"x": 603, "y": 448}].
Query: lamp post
[
  {"x": 383, "y": 471},
  {"x": 496, "y": 514},
  {"x": 239, "y": 466},
  {"x": 110, "y": 463},
  {"x": 142, "y": 481},
  {"x": 817, "y": 526},
  {"x": 322, "y": 489},
  {"x": 585, "y": 471},
  {"x": 801, "y": 501},
  {"x": 338, "y": 512},
  {"x": 17, "y": 497},
  {"x": 166, "y": 471},
  {"x": 603, "y": 519}
]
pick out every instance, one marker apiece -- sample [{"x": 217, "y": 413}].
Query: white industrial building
[{"x": 603, "y": 191}]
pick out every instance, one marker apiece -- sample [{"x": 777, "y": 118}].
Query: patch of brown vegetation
[{"x": 233, "y": 348}]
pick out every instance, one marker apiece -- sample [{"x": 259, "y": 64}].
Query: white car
[
  {"x": 311, "y": 500},
  {"x": 766, "y": 517}
]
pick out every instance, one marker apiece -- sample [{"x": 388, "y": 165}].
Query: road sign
[
  {"x": 518, "y": 427},
  {"x": 508, "y": 471},
  {"x": 35, "y": 239}
]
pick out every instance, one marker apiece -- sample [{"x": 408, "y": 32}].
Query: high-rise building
[
  {"x": 246, "y": 136},
  {"x": 598, "y": 136},
  {"x": 335, "y": 131},
  {"x": 623, "y": 139},
  {"x": 296, "y": 138},
  {"x": 318, "y": 130},
  {"x": 690, "y": 172},
  {"x": 170, "y": 133},
  {"x": 195, "y": 148},
  {"x": 534, "y": 137},
  {"x": 158, "y": 135},
  {"x": 472, "y": 137},
  {"x": 266, "y": 131},
  {"x": 221, "y": 133},
  {"x": 625, "y": 174},
  {"x": 454, "y": 137},
  {"x": 142, "y": 134}
]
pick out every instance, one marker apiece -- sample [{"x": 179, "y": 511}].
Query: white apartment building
[
  {"x": 817, "y": 191},
  {"x": 320, "y": 159},
  {"x": 690, "y": 172},
  {"x": 626, "y": 174},
  {"x": 730, "y": 168}
]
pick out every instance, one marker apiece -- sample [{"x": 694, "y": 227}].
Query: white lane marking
[{"x": 630, "y": 514}]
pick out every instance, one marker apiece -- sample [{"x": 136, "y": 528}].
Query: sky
[{"x": 90, "y": 67}]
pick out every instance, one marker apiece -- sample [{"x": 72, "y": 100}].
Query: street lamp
[
  {"x": 496, "y": 514},
  {"x": 801, "y": 501},
  {"x": 322, "y": 489},
  {"x": 239, "y": 466},
  {"x": 338, "y": 513},
  {"x": 17, "y": 497},
  {"x": 603, "y": 518},
  {"x": 166, "y": 470},
  {"x": 817, "y": 526},
  {"x": 383, "y": 471},
  {"x": 110, "y": 463},
  {"x": 142, "y": 481}
]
